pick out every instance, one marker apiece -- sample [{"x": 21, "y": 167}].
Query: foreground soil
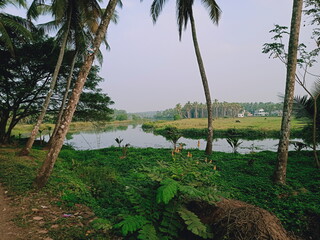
[
  {"x": 8, "y": 229},
  {"x": 36, "y": 215}
]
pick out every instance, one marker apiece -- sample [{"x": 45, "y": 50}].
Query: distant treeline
[{"x": 220, "y": 110}]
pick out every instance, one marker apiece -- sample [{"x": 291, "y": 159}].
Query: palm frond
[
  {"x": 5, "y": 38},
  {"x": 99, "y": 57},
  {"x": 49, "y": 26},
  {"x": 120, "y": 4},
  {"x": 183, "y": 11},
  {"x": 59, "y": 10},
  {"x": 115, "y": 17},
  {"x": 17, "y": 24},
  {"x": 214, "y": 10},
  {"x": 17, "y": 3},
  {"x": 316, "y": 88},
  {"x": 37, "y": 8},
  {"x": 156, "y": 8},
  {"x": 302, "y": 106}
]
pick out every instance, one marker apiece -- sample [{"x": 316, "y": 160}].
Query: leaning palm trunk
[
  {"x": 57, "y": 141},
  {"x": 281, "y": 166},
  {"x": 35, "y": 130},
  {"x": 64, "y": 100},
  {"x": 205, "y": 86},
  {"x": 314, "y": 138}
]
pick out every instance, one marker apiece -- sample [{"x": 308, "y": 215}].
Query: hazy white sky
[{"x": 148, "y": 68}]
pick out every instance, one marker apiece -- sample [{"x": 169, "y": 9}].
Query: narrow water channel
[{"x": 136, "y": 137}]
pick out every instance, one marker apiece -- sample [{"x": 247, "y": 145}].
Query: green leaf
[
  {"x": 148, "y": 232},
  {"x": 131, "y": 224},
  {"x": 101, "y": 224},
  {"x": 167, "y": 191},
  {"x": 190, "y": 191},
  {"x": 194, "y": 224}
]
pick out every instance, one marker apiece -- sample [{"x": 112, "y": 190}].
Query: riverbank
[
  {"x": 120, "y": 185},
  {"x": 245, "y": 128},
  {"x": 47, "y": 128}
]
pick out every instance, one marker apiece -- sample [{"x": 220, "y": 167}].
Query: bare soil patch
[{"x": 8, "y": 229}]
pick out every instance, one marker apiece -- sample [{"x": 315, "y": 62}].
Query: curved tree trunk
[
  {"x": 26, "y": 150},
  {"x": 3, "y": 124},
  {"x": 64, "y": 100},
  {"x": 205, "y": 85},
  {"x": 281, "y": 166},
  {"x": 57, "y": 142}
]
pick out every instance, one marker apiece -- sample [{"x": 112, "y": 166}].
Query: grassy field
[
  {"x": 253, "y": 123},
  {"x": 119, "y": 188},
  {"x": 25, "y": 129}
]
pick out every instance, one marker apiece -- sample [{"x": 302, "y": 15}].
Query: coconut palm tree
[
  {"x": 184, "y": 14},
  {"x": 13, "y": 26},
  {"x": 57, "y": 142},
  {"x": 70, "y": 16},
  {"x": 282, "y": 155},
  {"x": 308, "y": 107}
]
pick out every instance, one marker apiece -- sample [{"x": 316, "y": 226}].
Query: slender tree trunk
[
  {"x": 281, "y": 166},
  {"x": 314, "y": 138},
  {"x": 64, "y": 100},
  {"x": 57, "y": 142},
  {"x": 205, "y": 85},
  {"x": 26, "y": 150},
  {"x": 3, "y": 123},
  {"x": 189, "y": 113}
]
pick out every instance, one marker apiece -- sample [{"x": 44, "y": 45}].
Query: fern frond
[
  {"x": 194, "y": 224},
  {"x": 131, "y": 224},
  {"x": 144, "y": 202},
  {"x": 167, "y": 191},
  {"x": 191, "y": 191},
  {"x": 148, "y": 232},
  {"x": 171, "y": 224},
  {"x": 102, "y": 224}
]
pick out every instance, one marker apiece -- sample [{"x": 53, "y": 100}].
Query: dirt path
[{"x": 8, "y": 230}]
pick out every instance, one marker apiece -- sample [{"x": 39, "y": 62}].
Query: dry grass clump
[{"x": 236, "y": 220}]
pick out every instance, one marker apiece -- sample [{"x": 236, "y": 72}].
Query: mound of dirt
[{"x": 236, "y": 220}]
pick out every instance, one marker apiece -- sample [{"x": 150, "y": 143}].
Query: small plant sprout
[
  {"x": 172, "y": 134},
  {"x": 234, "y": 143},
  {"x": 119, "y": 141}
]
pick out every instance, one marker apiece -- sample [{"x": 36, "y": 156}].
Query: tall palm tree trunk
[
  {"x": 281, "y": 166},
  {"x": 314, "y": 137},
  {"x": 57, "y": 142},
  {"x": 64, "y": 100},
  {"x": 205, "y": 85},
  {"x": 26, "y": 150}
]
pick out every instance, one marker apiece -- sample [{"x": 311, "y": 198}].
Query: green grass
[
  {"x": 102, "y": 179},
  {"x": 25, "y": 129},
  {"x": 247, "y": 128},
  {"x": 254, "y": 123}
]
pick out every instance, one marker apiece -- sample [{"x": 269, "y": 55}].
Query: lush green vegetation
[
  {"x": 249, "y": 127},
  {"x": 219, "y": 109},
  {"x": 135, "y": 192}
]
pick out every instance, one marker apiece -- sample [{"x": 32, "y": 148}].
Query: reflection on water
[{"x": 104, "y": 136}]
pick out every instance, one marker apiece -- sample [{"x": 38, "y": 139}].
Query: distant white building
[
  {"x": 261, "y": 113},
  {"x": 241, "y": 114}
]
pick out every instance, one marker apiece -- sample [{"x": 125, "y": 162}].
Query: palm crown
[{"x": 184, "y": 11}]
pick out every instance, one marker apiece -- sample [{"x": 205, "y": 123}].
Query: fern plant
[{"x": 158, "y": 208}]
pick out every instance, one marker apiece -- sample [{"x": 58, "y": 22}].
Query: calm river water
[{"x": 136, "y": 137}]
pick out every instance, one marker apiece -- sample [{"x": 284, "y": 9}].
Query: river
[{"x": 136, "y": 137}]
